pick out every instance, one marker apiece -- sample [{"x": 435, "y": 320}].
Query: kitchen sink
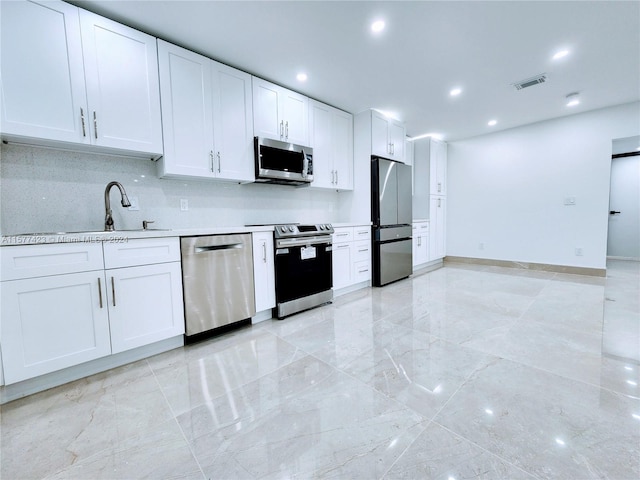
[{"x": 93, "y": 232}]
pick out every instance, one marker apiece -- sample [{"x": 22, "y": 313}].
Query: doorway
[{"x": 623, "y": 239}]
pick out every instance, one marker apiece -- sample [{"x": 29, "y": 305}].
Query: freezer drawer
[{"x": 392, "y": 261}]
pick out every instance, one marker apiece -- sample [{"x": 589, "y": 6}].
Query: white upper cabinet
[
  {"x": 387, "y": 137},
  {"x": 121, "y": 70},
  {"x": 71, "y": 76},
  {"x": 43, "y": 90},
  {"x": 438, "y": 167},
  {"x": 187, "y": 117},
  {"x": 279, "y": 113},
  {"x": 331, "y": 137},
  {"x": 206, "y": 111}
]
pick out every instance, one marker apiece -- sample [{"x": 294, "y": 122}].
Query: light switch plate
[{"x": 184, "y": 204}]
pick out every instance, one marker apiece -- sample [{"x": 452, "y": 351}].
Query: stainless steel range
[{"x": 303, "y": 264}]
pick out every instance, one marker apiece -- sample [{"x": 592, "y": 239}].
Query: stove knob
[
  {"x": 291, "y": 228},
  {"x": 283, "y": 229},
  {"x": 328, "y": 227},
  {"x": 321, "y": 227}
]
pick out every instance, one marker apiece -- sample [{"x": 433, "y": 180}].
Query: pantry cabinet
[
  {"x": 437, "y": 167},
  {"x": 437, "y": 231},
  {"x": 264, "y": 271},
  {"x": 387, "y": 137},
  {"x": 279, "y": 113},
  {"x": 331, "y": 137},
  {"x": 207, "y": 117},
  {"x": 71, "y": 76}
]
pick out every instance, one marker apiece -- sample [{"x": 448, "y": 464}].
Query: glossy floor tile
[{"x": 464, "y": 372}]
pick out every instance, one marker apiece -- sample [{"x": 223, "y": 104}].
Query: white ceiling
[{"x": 426, "y": 49}]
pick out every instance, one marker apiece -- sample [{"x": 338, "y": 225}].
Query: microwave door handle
[{"x": 305, "y": 164}]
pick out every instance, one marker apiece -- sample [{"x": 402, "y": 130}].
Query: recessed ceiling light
[
  {"x": 491, "y": 123},
  {"x": 561, "y": 54},
  {"x": 455, "y": 92},
  {"x": 377, "y": 26},
  {"x": 302, "y": 77},
  {"x": 572, "y": 99}
]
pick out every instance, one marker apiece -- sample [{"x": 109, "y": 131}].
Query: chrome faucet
[{"x": 108, "y": 220}]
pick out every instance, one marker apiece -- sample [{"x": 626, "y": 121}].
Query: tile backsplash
[{"x": 45, "y": 190}]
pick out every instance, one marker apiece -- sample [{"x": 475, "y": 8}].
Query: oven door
[{"x": 303, "y": 268}]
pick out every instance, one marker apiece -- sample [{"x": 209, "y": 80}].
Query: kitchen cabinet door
[
  {"x": 342, "y": 144},
  {"x": 121, "y": 73},
  {"x": 320, "y": 129},
  {"x": 279, "y": 113},
  {"x": 420, "y": 243},
  {"x": 295, "y": 114},
  {"x": 396, "y": 140},
  {"x": 145, "y": 304},
  {"x": 233, "y": 127},
  {"x": 187, "y": 117},
  {"x": 379, "y": 135},
  {"x": 266, "y": 102},
  {"x": 331, "y": 137},
  {"x": 54, "y": 322},
  {"x": 438, "y": 167},
  {"x": 437, "y": 227},
  {"x": 264, "y": 271},
  {"x": 342, "y": 265},
  {"x": 42, "y": 75}
]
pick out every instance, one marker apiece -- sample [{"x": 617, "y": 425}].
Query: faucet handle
[{"x": 145, "y": 223}]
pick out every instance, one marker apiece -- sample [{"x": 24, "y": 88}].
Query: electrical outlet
[
  {"x": 569, "y": 200},
  {"x": 578, "y": 251},
  {"x": 135, "y": 206},
  {"x": 184, "y": 204}
]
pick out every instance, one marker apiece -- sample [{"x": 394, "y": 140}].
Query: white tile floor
[{"x": 464, "y": 372}]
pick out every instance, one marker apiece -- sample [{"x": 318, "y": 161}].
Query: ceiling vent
[{"x": 530, "y": 82}]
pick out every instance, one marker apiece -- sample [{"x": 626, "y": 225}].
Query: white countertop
[{"x": 98, "y": 236}]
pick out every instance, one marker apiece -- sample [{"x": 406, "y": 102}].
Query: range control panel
[{"x": 298, "y": 230}]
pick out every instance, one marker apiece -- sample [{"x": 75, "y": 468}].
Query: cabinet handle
[
  {"x": 286, "y": 130},
  {"x": 344, "y": 246},
  {"x": 113, "y": 291},
  {"x": 95, "y": 124},
  {"x": 264, "y": 252},
  {"x": 219, "y": 162},
  {"x": 211, "y": 159},
  {"x": 333, "y": 176},
  {"x": 439, "y": 203},
  {"x": 363, "y": 250},
  {"x": 336, "y": 177},
  {"x": 100, "y": 291},
  {"x": 419, "y": 241},
  {"x": 281, "y": 128},
  {"x": 439, "y": 187},
  {"x": 84, "y": 128},
  {"x": 363, "y": 271}
]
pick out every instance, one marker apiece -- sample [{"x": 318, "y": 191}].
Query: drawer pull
[
  {"x": 100, "y": 291},
  {"x": 113, "y": 290}
]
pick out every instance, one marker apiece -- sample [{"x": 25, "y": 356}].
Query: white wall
[
  {"x": 46, "y": 190},
  {"x": 507, "y": 190}
]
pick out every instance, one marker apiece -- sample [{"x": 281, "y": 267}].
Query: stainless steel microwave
[{"x": 283, "y": 163}]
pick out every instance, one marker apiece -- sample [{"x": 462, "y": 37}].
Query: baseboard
[
  {"x": 427, "y": 267},
  {"x": 351, "y": 288},
  {"x": 592, "y": 272},
  {"x": 627, "y": 259}
]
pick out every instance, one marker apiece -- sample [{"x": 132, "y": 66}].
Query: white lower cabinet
[
  {"x": 61, "y": 308},
  {"x": 351, "y": 256},
  {"x": 264, "y": 271},
  {"x": 437, "y": 233},
  {"x": 145, "y": 304},
  {"x": 420, "y": 243},
  {"x": 54, "y": 322}
]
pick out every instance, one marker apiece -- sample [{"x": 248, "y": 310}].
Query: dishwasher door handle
[{"x": 213, "y": 248}]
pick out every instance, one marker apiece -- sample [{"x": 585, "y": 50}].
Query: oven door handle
[{"x": 302, "y": 242}]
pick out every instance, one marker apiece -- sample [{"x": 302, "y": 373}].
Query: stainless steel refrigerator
[{"x": 391, "y": 217}]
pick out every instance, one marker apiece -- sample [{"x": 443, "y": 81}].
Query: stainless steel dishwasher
[{"x": 217, "y": 279}]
